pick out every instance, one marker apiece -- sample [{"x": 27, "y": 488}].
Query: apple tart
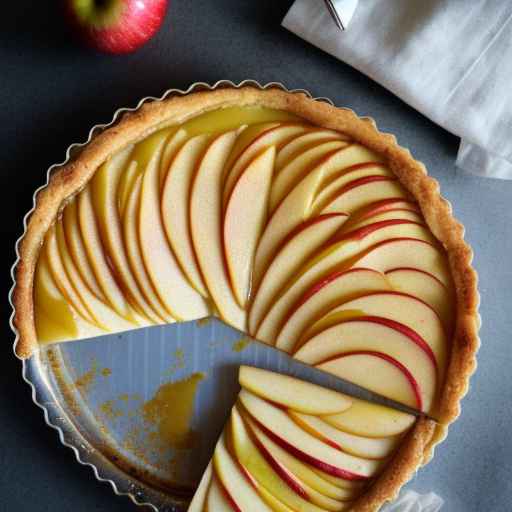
[{"x": 289, "y": 219}]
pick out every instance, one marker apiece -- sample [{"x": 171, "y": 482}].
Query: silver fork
[{"x": 341, "y": 11}]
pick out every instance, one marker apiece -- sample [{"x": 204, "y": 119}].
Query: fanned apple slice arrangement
[
  {"x": 294, "y": 446},
  {"x": 295, "y": 234},
  {"x": 292, "y": 233}
]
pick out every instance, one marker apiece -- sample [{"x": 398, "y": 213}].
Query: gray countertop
[{"x": 52, "y": 92}]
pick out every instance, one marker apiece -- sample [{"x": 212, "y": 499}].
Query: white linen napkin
[{"x": 449, "y": 59}]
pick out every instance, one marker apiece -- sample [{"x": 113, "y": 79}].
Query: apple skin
[{"x": 115, "y": 26}]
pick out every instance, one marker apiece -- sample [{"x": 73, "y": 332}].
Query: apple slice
[
  {"x": 400, "y": 307},
  {"x": 175, "y": 207},
  {"x": 97, "y": 256},
  {"x": 218, "y": 500},
  {"x": 288, "y": 435},
  {"x": 304, "y": 142},
  {"x": 292, "y": 255},
  {"x": 242, "y": 494},
  {"x": 398, "y": 214},
  {"x": 77, "y": 248},
  {"x": 61, "y": 277},
  {"x": 125, "y": 186},
  {"x": 337, "y": 288},
  {"x": 371, "y": 420},
  {"x": 272, "y": 137},
  {"x": 272, "y": 475},
  {"x": 379, "y": 336},
  {"x": 291, "y": 212},
  {"x": 245, "y": 138},
  {"x": 361, "y": 446},
  {"x": 244, "y": 221},
  {"x": 304, "y": 472},
  {"x": 206, "y": 230},
  {"x": 380, "y": 373},
  {"x": 427, "y": 288},
  {"x": 295, "y": 170},
  {"x": 407, "y": 252},
  {"x": 292, "y": 393},
  {"x": 272, "y": 501},
  {"x": 346, "y": 175},
  {"x": 173, "y": 289},
  {"x": 104, "y": 185},
  {"x": 358, "y": 193},
  {"x": 134, "y": 254},
  {"x": 385, "y": 205},
  {"x": 199, "y": 500}
]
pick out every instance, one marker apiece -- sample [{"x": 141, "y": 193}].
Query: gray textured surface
[{"x": 52, "y": 92}]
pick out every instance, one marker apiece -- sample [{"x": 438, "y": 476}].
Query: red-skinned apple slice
[
  {"x": 361, "y": 446},
  {"x": 291, "y": 212},
  {"x": 376, "y": 335},
  {"x": 426, "y": 287},
  {"x": 244, "y": 221},
  {"x": 94, "y": 247},
  {"x": 400, "y": 307},
  {"x": 302, "y": 143},
  {"x": 339, "y": 255},
  {"x": 218, "y": 499},
  {"x": 345, "y": 491},
  {"x": 295, "y": 170},
  {"x": 173, "y": 289},
  {"x": 175, "y": 207},
  {"x": 380, "y": 373},
  {"x": 288, "y": 435},
  {"x": 234, "y": 481},
  {"x": 272, "y": 137},
  {"x": 336, "y": 288},
  {"x": 245, "y": 138},
  {"x": 371, "y": 420},
  {"x": 199, "y": 500},
  {"x": 401, "y": 214},
  {"x": 272, "y": 475},
  {"x": 383, "y": 206},
  {"x": 292, "y": 393},
  {"x": 358, "y": 193},
  {"x": 206, "y": 228},
  {"x": 134, "y": 254},
  {"x": 272, "y": 501},
  {"x": 343, "y": 177},
  {"x": 292, "y": 255},
  {"x": 407, "y": 252}
]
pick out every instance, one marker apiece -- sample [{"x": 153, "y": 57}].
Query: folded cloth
[{"x": 451, "y": 60}]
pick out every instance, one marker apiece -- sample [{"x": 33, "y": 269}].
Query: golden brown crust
[
  {"x": 69, "y": 179},
  {"x": 400, "y": 470}
]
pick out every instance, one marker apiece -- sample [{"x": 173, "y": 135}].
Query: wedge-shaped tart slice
[{"x": 293, "y": 445}]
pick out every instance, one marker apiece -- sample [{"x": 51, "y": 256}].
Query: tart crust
[{"x": 134, "y": 126}]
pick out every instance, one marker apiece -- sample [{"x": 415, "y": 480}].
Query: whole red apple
[{"x": 115, "y": 26}]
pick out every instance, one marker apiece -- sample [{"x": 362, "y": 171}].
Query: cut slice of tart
[
  {"x": 293, "y": 445},
  {"x": 289, "y": 219}
]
